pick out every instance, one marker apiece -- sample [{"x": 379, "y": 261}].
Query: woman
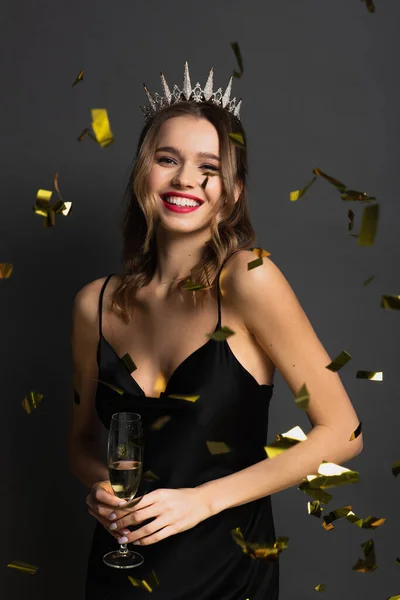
[{"x": 184, "y": 525}]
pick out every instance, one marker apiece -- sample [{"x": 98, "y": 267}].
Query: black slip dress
[{"x": 202, "y": 563}]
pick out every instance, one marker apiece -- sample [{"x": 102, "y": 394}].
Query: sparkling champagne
[{"x": 125, "y": 477}]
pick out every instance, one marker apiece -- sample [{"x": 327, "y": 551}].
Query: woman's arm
[
  {"x": 270, "y": 310},
  {"x": 84, "y": 435}
]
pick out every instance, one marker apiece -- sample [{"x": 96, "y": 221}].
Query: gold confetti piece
[
  {"x": 314, "y": 508},
  {"x": 204, "y": 184},
  {"x": 396, "y": 468},
  {"x": 150, "y": 476},
  {"x": 160, "y": 384},
  {"x": 190, "y": 286},
  {"x": 221, "y": 334},
  {"x": 22, "y": 566},
  {"x": 147, "y": 584},
  {"x": 296, "y": 194},
  {"x": 44, "y": 209},
  {"x": 183, "y": 397},
  {"x": 334, "y": 516},
  {"x": 218, "y": 447},
  {"x": 331, "y": 475},
  {"x": 394, "y": 597},
  {"x": 260, "y": 253},
  {"x": 238, "y": 54},
  {"x": 369, "y": 563},
  {"x": 389, "y": 301},
  {"x": 284, "y": 441},
  {"x": 269, "y": 551},
  {"x": 31, "y": 401},
  {"x": 303, "y": 398},
  {"x": 128, "y": 362},
  {"x": 87, "y": 132},
  {"x": 350, "y": 214},
  {"x": 371, "y": 375},
  {"x": 397, "y": 562},
  {"x": 339, "y": 362},
  {"x": 369, "y": 225},
  {"x": 101, "y": 127},
  {"x": 356, "y": 196},
  {"x": 371, "y": 9},
  {"x": 160, "y": 422},
  {"x": 316, "y": 493},
  {"x": 320, "y": 587},
  {"x": 338, "y": 184},
  {"x": 237, "y": 139},
  {"x": 356, "y": 432},
  {"x": 79, "y": 78},
  {"x": 367, "y": 523},
  {"x": 113, "y": 387},
  {"x": 367, "y": 281},
  {"x": 5, "y": 270}
]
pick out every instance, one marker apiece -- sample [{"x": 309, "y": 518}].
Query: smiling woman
[{"x": 203, "y": 398}]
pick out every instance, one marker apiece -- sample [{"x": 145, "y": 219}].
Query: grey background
[{"x": 320, "y": 89}]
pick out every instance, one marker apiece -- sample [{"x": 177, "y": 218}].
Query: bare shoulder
[
  {"x": 87, "y": 298},
  {"x": 241, "y": 283}
]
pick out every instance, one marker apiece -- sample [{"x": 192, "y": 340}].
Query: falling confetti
[
  {"x": 237, "y": 139},
  {"x": 370, "y": 5},
  {"x": 303, "y": 398},
  {"x": 31, "y": 401},
  {"x": 79, "y": 78},
  {"x": 5, "y": 270},
  {"x": 371, "y": 375},
  {"x": 111, "y": 386},
  {"x": 221, "y": 334},
  {"x": 44, "y": 209},
  {"x": 342, "y": 359},
  {"x": 238, "y": 54},
  {"x": 390, "y": 302},
  {"x": 22, "y": 566},
  {"x": 260, "y": 253},
  {"x": 218, "y": 448},
  {"x": 147, "y": 584},
  {"x": 128, "y": 362},
  {"x": 369, "y": 562}
]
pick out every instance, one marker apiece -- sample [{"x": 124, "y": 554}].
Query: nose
[{"x": 186, "y": 177}]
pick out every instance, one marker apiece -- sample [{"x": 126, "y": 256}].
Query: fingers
[
  {"x": 117, "y": 533},
  {"x": 107, "y": 499}
]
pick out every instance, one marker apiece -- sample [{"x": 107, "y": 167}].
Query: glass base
[{"x": 123, "y": 560}]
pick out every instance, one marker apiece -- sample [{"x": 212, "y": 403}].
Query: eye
[{"x": 208, "y": 167}]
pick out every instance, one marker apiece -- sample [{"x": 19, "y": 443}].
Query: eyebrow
[{"x": 176, "y": 151}]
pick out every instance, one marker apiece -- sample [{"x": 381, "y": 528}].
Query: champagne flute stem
[{"x": 123, "y": 549}]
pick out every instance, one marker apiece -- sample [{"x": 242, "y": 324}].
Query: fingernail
[
  {"x": 122, "y": 503},
  {"x": 113, "y": 526},
  {"x": 125, "y": 531},
  {"x": 112, "y": 516},
  {"x": 123, "y": 540}
]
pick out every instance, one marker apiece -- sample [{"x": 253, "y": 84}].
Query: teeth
[{"x": 181, "y": 201}]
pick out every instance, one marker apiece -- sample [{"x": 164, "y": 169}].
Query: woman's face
[{"x": 180, "y": 168}]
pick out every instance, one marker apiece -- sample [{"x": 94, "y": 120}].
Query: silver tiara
[{"x": 196, "y": 94}]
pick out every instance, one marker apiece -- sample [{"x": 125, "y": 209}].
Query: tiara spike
[
  {"x": 208, "y": 88},
  {"x": 227, "y": 94},
  {"x": 150, "y": 98},
  {"x": 187, "y": 87},
  {"x": 166, "y": 90},
  {"x": 236, "y": 110}
]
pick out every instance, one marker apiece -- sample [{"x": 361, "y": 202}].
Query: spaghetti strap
[
  {"x": 101, "y": 303},
  {"x": 218, "y": 288}
]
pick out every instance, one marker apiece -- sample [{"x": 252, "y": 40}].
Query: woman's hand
[
  {"x": 101, "y": 501},
  {"x": 173, "y": 511}
]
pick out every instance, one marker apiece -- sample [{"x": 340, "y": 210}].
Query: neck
[{"x": 177, "y": 254}]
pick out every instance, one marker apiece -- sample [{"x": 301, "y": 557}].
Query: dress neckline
[{"x": 183, "y": 363}]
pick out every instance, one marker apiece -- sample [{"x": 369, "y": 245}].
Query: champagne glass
[{"x": 125, "y": 463}]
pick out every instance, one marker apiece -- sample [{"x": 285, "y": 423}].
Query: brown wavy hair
[{"x": 231, "y": 227}]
